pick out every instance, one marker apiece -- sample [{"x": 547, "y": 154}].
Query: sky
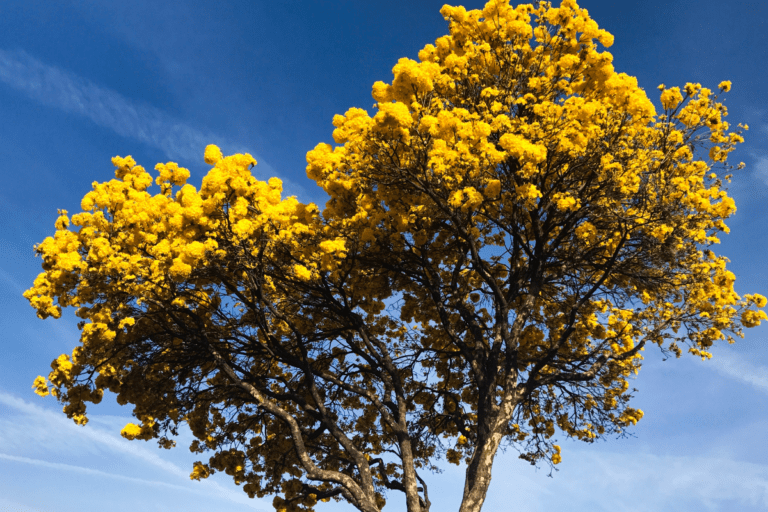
[{"x": 83, "y": 81}]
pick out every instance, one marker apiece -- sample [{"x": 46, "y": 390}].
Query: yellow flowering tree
[{"x": 503, "y": 239}]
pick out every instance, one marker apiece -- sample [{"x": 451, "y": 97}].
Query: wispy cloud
[
  {"x": 739, "y": 368},
  {"x": 58, "y": 88},
  {"x": 64, "y": 90},
  {"x": 761, "y": 169},
  {"x": 593, "y": 479},
  {"x": 94, "y": 472},
  {"x": 760, "y": 164},
  {"x": 678, "y": 482},
  {"x": 10, "y": 281},
  {"x": 12, "y": 506},
  {"x": 27, "y": 427}
]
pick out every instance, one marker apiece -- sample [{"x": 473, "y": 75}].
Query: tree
[{"x": 503, "y": 239}]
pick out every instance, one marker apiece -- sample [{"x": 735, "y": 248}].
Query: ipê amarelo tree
[{"x": 503, "y": 239}]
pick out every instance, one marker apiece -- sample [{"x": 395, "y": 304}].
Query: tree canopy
[{"x": 503, "y": 239}]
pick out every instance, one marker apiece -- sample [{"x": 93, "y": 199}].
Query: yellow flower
[
  {"x": 556, "y": 457},
  {"x": 753, "y": 318},
  {"x": 528, "y": 191},
  {"x": 63, "y": 221},
  {"x": 724, "y": 86},
  {"x": 670, "y": 98},
  {"x": 200, "y": 471},
  {"x": 302, "y": 272},
  {"x": 131, "y": 431},
  {"x": 212, "y": 154},
  {"x": 41, "y": 386},
  {"x": 759, "y": 300},
  {"x": 492, "y": 189}
]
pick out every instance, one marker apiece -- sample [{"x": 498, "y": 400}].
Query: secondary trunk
[
  {"x": 478, "y": 475},
  {"x": 413, "y": 503}
]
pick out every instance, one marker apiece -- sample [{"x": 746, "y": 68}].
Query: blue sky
[{"x": 83, "y": 81}]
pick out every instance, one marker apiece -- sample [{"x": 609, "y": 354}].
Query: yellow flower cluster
[
  {"x": 131, "y": 243},
  {"x": 556, "y": 457},
  {"x": 517, "y": 116}
]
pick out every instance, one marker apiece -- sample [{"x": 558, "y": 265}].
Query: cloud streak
[
  {"x": 64, "y": 90},
  {"x": 94, "y": 472},
  {"x": 738, "y": 368},
  {"x": 621, "y": 482},
  {"x": 61, "y": 89},
  {"x": 31, "y": 426},
  {"x": 678, "y": 482},
  {"x": 760, "y": 165}
]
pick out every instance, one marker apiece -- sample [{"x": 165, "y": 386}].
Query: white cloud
[
  {"x": 27, "y": 428},
  {"x": 12, "y": 506},
  {"x": 590, "y": 478},
  {"x": 593, "y": 479},
  {"x": 761, "y": 169},
  {"x": 58, "y": 88},
  {"x": 668, "y": 480},
  {"x": 736, "y": 367},
  {"x": 94, "y": 472},
  {"x": 760, "y": 165},
  {"x": 11, "y": 281}
]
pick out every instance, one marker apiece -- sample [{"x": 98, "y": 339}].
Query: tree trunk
[
  {"x": 413, "y": 503},
  {"x": 479, "y": 474}
]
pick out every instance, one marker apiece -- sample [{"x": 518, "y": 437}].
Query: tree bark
[
  {"x": 478, "y": 474},
  {"x": 412, "y": 500},
  {"x": 490, "y": 435}
]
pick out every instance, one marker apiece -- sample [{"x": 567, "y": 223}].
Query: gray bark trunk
[
  {"x": 478, "y": 475},
  {"x": 413, "y": 504}
]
